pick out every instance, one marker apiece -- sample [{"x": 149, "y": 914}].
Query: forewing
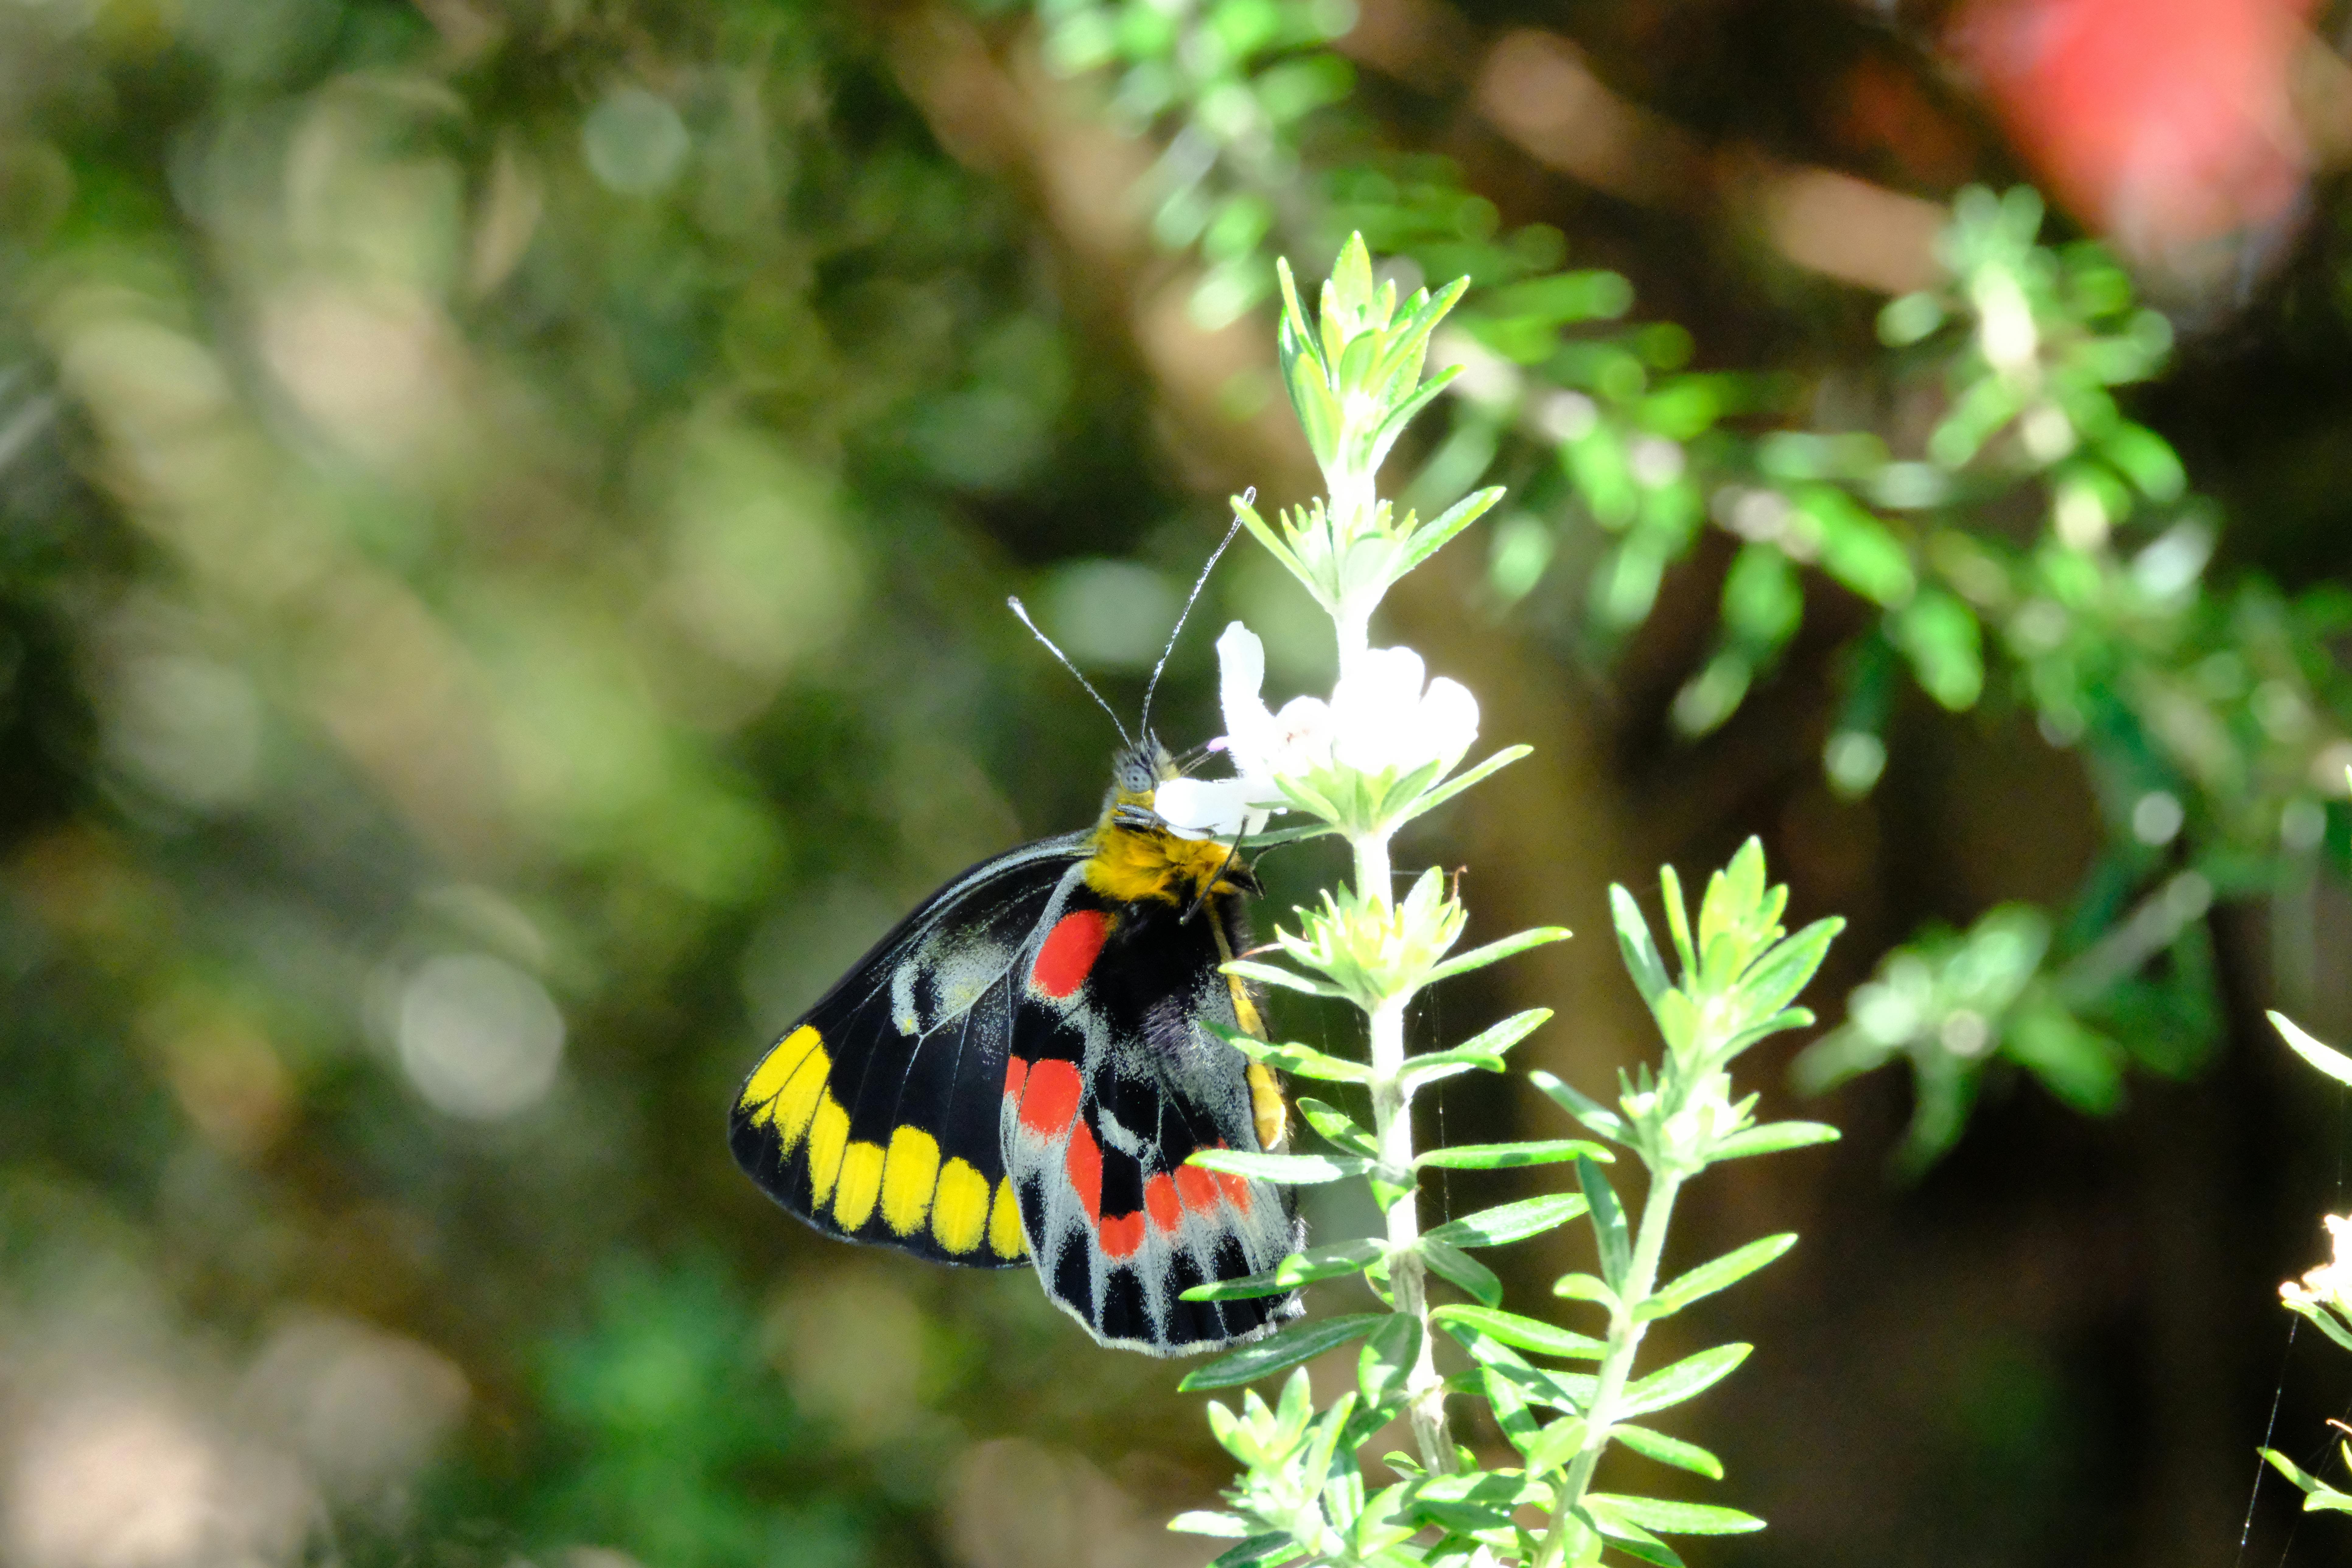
[
  {"x": 1113, "y": 1082},
  {"x": 876, "y": 1117}
]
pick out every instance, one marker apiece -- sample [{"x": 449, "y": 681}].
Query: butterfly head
[
  {"x": 1137, "y": 773},
  {"x": 1136, "y": 857}
]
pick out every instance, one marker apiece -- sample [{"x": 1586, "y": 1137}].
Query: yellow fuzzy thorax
[{"x": 1132, "y": 864}]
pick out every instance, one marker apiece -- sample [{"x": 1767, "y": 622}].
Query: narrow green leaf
[
  {"x": 1785, "y": 971},
  {"x": 1596, "y": 1116},
  {"x": 1269, "y": 975},
  {"x": 1294, "y": 313},
  {"x": 1412, "y": 334},
  {"x": 1376, "y": 445},
  {"x": 1629, "y": 1538},
  {"x": 1497, "y": 1037},
  {"x": 1460, "y": 782},
  {"x": 1676, "y": 1518},
  {"x": 1678, "y": 921},
  {"x": 1511, "y": 1412},
  {"x": 1609, "y": 1228},
  {"x": 1435, "y": 534},
  {"x": 1668, "y": 1450},
  {"x": 1709, "y": 1278},
  {"x": 1785, "y": 1019},
  {"x": 1452, "y": 1263},
  {"x": 1337, "y": 1128},
  {"x": 1292, "y": 1170},
  {"x": 2326, "y": 1321},
  {"x": 1509, "y": 1156},
  {"x": 1496, "y": 951},
  {"x": 1266, "y": 536},
  {"x": 1329, "y": 1428},
  {"x": 1472, "y": 1499},
  {"x": 1482, "y": 1051},
  {"x": 1690, "y": 1375},
  {"x": 2291, "y": 1470},
  {"x": 2326, "y": 1059},
  {"x": 1299, "y": 1061},
  {"x": 1386, "y": 1360},
  {"x": 1386, "y": 1193},
  {"x": 1633, "y": 941},
  {"x": 1201, "y": 1521},
  {"x": 1555, "y": 1444},
  {"x": 1571, "y": 1390},
  {"x": 1527, "y": 1334},
  {"x": 1439, "y": 1066},
  {"x": 1585, "y": 1288},
  {"x": 1773, "y": 1136},
  {"x": 1260, "y": 1551},
  {"x": 1292, "y": 1345},
  {"x": 1510, "y": 1222},
  {"x": 1337, "y": 1261}
]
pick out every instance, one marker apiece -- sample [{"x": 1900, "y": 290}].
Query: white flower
[
  {"x": 2331, "y": 1283},
  {"x": 1208, "y": 808},
  {"x": 1381, "y": 722},
  {"x": 1260, "y": 745}
]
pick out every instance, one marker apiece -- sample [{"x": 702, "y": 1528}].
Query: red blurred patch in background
[{"x": 2164, "y": 123}]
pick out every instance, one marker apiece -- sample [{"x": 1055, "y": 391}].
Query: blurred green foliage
[
  {"x": 504, "y": 517},
  {"x": 504, "y": 510},
  {"x": 2025, "y": 544}
]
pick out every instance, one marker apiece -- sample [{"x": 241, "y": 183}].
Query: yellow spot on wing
[
  {"x": 907, "y": 1178},
  {"x": 1004, "y": 1236},
  {"x": 828, "y": 1135},
  {"x": 861, "y": 1180},
  {"x": 777, "y": 1065},
  {"x": 959, "y": 1209},
  {"x": 796, "y": 1102}
]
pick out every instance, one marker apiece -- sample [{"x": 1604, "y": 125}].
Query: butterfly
[{"x": 1018, "y": 1073}]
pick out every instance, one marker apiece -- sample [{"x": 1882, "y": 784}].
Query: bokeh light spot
[
  {"x": 479, "y": 1039},
  {"x": 635, "y": 142}
]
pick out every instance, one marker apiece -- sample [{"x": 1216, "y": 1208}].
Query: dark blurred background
[{"x": 505, "y": 513}]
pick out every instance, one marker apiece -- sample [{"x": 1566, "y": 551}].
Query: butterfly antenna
[
  {"x": 1022, "y": 611},
  {"x": 1190, "y": 600}
]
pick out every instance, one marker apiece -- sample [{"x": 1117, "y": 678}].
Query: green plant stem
[
  {"x": 1392, "y": 1131},
  {"x": 1625, "y": 1332}
]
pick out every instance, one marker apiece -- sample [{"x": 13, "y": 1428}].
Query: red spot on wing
[
  {"x": 1017, "y": 1072},
  {"x": 1159, "y": 1199},
  {"x": 1196, "y": 1187},
  {"x": 1121, "y": 1235},
  {"x": 1049, "y": 1101},
  {"x": 1069, "y": 951},
  {"x": 1082, "y": 1162},
  {"x": 1235, "y": 1188}
]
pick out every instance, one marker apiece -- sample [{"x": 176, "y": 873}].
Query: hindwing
[
  {"x": 1114, "y": 1081},
  {"x": 876, "y": 1118}
]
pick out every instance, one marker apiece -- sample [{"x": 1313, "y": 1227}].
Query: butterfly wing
[
  {"x": 876, "y": 1118},
  {"x": 1114, "y": 1081}
]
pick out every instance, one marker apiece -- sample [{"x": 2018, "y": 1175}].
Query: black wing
[
  {"x": 1114, "y": 1082},
  {"x": 876, "y": 1117}
]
